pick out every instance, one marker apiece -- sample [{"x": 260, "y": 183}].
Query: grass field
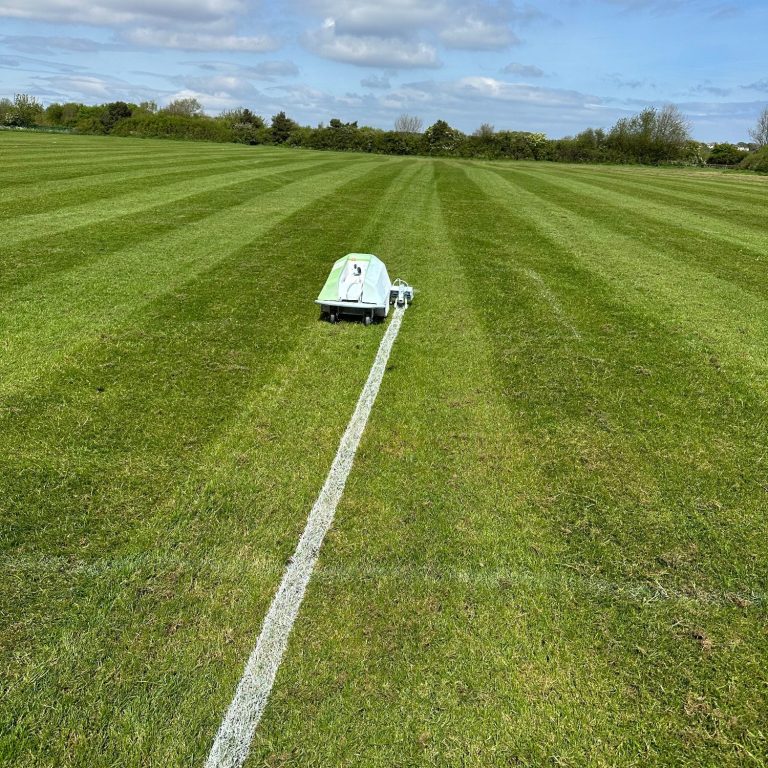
[{"x": 553, "y": 547}]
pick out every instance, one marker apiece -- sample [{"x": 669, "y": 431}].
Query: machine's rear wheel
[
  {"x": 367, "y": 319},
  {"x": 333, "y": 317}
]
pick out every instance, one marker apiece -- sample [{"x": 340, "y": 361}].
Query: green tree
[
  {"x": 441, "y": 139},
  {"x": 282, "y": 126},
  {"x": 114, "y": 113},
  {"x": 188, "y": 107},
  {"x": 25, "y": 112},
  {"x": 6, "y": 105},
  {"x": 242, "y": 116},
  {"x": 485, "y": 132},
  {"x": 759, "y": 134},
  {"x": 651, "y": 136}
]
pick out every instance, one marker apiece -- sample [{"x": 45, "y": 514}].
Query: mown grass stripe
[
  {"x": 223, "y": 435},
  {"x": 39, "y": 257},
  {"x": 51, "y": 166},
  {"x": 40, "y": 186},
  {"x": 51, "y": 169},
  {"x": 718, "y": 206},
  {"x": 650, "y": 210},
  {"x": 97, "y": 294},
  {"x": 683, "y": 238},
  {"x": 695, "y": 245},
  {"x": 79, "y": 192},
  {"x": 36, "y": 226}
]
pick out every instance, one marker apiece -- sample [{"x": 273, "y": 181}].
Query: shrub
[
  {"x": 756, "y": 161},
  {"x": 725, "y": 154},
  {"x": 166, "y": 126}
]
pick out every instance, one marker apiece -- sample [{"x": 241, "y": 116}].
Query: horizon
[{"x": 507, "y": 64}]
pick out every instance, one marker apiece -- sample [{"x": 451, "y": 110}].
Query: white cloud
[
  {"x": 192, "y": 25},
  {"x": 108, "y": 12},
  {"x": 472, "y": 32},
  {"x": 411, "y": 29},
  {"x": 91, "y": 88},
  {"x": 508, "y": 105},
  {"x": 38, "y": 44},
  {"x": 370, "y": 50},
  {"x": 396, "y": 18},
  {"x": 27, "y": 64},
  {"x": 199, "y": 41}
]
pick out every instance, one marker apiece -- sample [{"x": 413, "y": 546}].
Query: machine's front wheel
[
  {"x": 367, "y": 319},
  {"x": 333, "y": 318}
]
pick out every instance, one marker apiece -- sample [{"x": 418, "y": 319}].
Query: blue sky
[{"x": 556, "y": 67}]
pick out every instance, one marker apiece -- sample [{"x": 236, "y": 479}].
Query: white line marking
[{"x": 233, "y": 740}]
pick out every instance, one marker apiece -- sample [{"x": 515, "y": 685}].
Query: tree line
[{"x": 653, "y": 136}]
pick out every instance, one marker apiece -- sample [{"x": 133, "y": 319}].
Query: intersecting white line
[{"x": 233, "y": 740}]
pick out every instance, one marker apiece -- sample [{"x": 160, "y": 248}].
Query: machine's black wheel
[
  {"x": 333, "y": 318},
  {"x": 368, "y": 319}
]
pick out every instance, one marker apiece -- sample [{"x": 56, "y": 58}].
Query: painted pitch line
[{"x": 233, "y": 740}]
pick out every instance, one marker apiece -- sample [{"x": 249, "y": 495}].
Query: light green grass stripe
[
  {"x": 243, "y": 506},
  {"x": 93, "y": 297},
  {"x": 733, "y": 262},
  {"x": 22, "y": 158},
  {"x": 91, "y": 190},
  {"x": 721, "y": 197},
  {"x": 56, "y": 163},
  {"x": 737, "y": 187},
  {"x": 750, "y": 215},
  {"x": 38, "y": 226},
  {"x": 656, "y": 213},
  {"x": 708, "y": 307},
  {"x": 114, "y": 175},
  {"x": 441, "y": 484}
]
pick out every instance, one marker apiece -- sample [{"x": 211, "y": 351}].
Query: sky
[{"x": 555, "y": 67}]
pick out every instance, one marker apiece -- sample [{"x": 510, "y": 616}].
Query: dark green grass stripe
[
  {"x": 63, "y": 175},
  {"x": 736, "y": 188},
  {"x": 242, "y": 521},
  {"x": 95, "y": 190},
  {"x": 627, "y": 365},
  {"x": 41, "y": 161},
  {"x": 704, "y": 243},
  {"x": 714, "y": 313},
  {"x": 99, "y": 294},
  {"x": 48, "y": 165},
  {"x": 717, "y": 205},
  {"x": 41, "y": 258},
  {"x": 253, "y": 297},
  {"x": 678, "y": 216},
  {"x": 32, "y": 147},
  {"x": 639, "y": 440},
  {"x": 35, "y": 226},
  {"x": 58, "y": 167},
  {"x": 746, "y": 187},
  {"x": 718, "y": 196}
]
